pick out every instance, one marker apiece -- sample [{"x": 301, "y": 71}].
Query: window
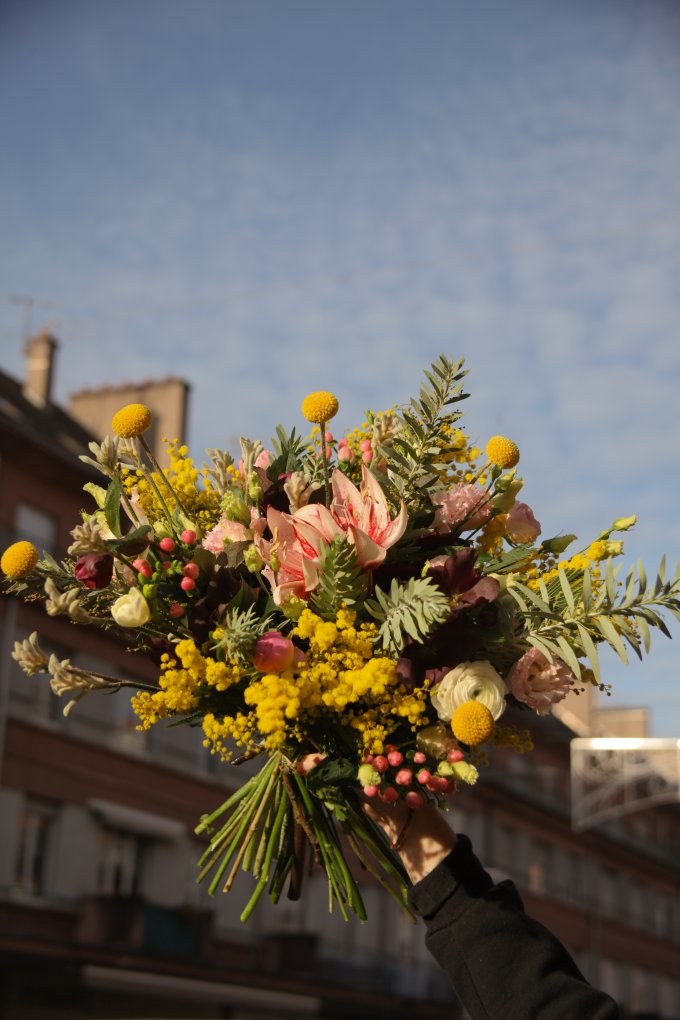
[
  {"x": 120, "y": 863},
  {"x": 36, "y": 526},
  {"x": 37, "y": 824}
]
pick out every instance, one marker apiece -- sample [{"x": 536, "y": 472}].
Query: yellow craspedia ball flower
[
  {"x": 131, "y": 420},
  {"x": 472, "y": 723},
  {"x": 502, "y": 452},
  {"x": 19, "y": 559},
  {"x": 320, "y": 406}
]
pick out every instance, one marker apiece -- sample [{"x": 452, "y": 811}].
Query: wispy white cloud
[{"x": 510, "y": 194}]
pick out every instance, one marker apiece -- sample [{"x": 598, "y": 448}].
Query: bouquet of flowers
[{"x": 357, "y": 611}]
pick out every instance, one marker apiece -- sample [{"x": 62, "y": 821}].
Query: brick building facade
[{"x": 99, "y": 912}]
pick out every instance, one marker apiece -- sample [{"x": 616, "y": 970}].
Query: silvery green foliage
[
  {"x": 341, "y": 581},
  {"x": 411, "y": 455},
  {"x": 570, "y": 616},
  {"x": 408, "y": 613}
]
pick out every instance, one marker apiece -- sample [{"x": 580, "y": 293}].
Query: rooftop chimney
[{"x": 40, "y": 355}]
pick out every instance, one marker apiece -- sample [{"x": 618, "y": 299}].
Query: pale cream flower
[
  {"x": 30, "y": 655},
  {"x": 131, "y": 610},
  {"x": 87, "y": 538},
  {"x": 300, "y": 490},
  {"x": 471, "y": 681},
  {"x": 105, "y": 456},
  {"x": 65, "y": 603}
]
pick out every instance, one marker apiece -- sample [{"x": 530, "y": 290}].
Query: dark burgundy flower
[
  {"x": 94, "y": 571},
  {"x": 471, "y": 595},
  {"x": 457, "y": 578}
]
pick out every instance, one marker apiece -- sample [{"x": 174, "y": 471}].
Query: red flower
[{"x": 94, "y": 571}]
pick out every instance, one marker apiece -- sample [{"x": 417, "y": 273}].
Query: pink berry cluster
[
  {"x": 168, "y": 566},
  {"x": 393, "y": 776}
]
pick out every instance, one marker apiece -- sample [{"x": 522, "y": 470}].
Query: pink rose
[
  {"x": 539, "y": 683},
  {"x": 463, "y": 507},
  {"x": 521, "y": 525}
]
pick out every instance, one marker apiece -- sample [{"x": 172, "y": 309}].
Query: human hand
[{"x": 421, "y": 836}]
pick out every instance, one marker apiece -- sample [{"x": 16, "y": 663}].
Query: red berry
[
  {"x": 414, "y": 799},
  {"x": 188, "y": 536},
  {"x": 367, "y": 759},
  {"x": 167, "y": 544},
  {"x": 441, "y": 783},
  {"x": 395, "y": 758},
  {"x": 143, "y": 567},
  {"x": 454, "y": 756},
  {"x": 419, "y": 758},
  {"x": 370, "y": 791},
  {"x": 424, "y": 776},
  {"x": 176, "y": 610},
  {"x": 404, "y": 777},
  {"x": 186, "y": 584},
  {"x": 390, "y": 795},
  {"x": 380, "y": 763},
  {"x": 191, "y": 570}
]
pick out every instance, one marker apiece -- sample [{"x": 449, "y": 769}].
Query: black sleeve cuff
[{"x": 460, "y": 870}]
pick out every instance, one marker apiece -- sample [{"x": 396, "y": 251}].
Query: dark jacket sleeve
[{"x": 502, "y": 964}]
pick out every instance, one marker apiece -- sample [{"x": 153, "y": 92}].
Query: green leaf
[
  {"x": 590, "y": 650},
  {"x": 568, "y": 656},
  {"x": 566, "y": 589},
  {"x": 611, "y": 636},
  {"x": 643, "y": 627},
  {"x": 112, "y": 505},
  {"x": 557, "y": 544}
]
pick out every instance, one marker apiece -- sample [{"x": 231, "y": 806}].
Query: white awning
[
  {"x": 194, "y": 990},
  {"x": 143, "y": 823}
]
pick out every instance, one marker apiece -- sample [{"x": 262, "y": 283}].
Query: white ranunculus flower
[
  {"x": 471, "y": 681},
  {"x": 131, "y": 610}
]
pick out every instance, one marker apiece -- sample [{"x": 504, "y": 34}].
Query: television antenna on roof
[
  {"x": 28, "y": 303},
  {"x": 614, "y": 776}
]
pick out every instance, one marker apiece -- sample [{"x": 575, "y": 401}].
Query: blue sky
[{"x": 271, "y": 197}]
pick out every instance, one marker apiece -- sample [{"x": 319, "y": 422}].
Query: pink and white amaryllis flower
[
  {"x": 364, "y": 515},
  {"x": 292, "y": 558}
]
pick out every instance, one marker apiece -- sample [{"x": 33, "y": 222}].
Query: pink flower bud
[
  {"x": 188, "y": 536},
  {"x": 187, "y": 584},
  {"x": 395, "y": 758},
  {"x": 404, "y": 777},
  {"x": 272, "y": 653},
  {"x": 191, "y": 570},
  {"x": 328, "y": 436},
  {"x": 167, "y": 544},
  {"x": 364, "y": 445},
  {"x": 345, "y": 454},
  {"x": 414, "y": 799},
  {"x": 380, "y": 763},
  {"x": 367, "y": 456}
]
